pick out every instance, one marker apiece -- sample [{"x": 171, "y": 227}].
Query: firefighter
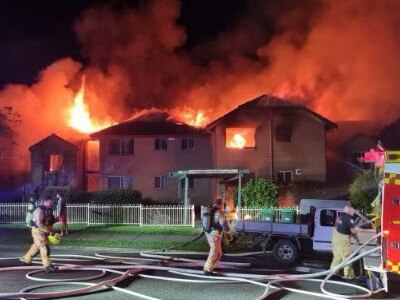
[
  {"x": 42, "y": 226},
  {"x": 341, "y": 241},
  {"x": 62, "y": 213},
  {"x": 219, "y": 224}
]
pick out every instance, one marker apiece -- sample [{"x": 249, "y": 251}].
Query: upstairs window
[
  {"x": 160, "y": 144},
  {"x": 55, "y": 162},
  {"x": 120, "y": 182},
  {"x": 160, "y": 182},
  {"x": 240, "y": 137},
  {"x": 285, "y": 177},
  {"x": 188, "y": 143},
  {"x": 122, "y": 146},
  {"x": 283, "y": 134}
]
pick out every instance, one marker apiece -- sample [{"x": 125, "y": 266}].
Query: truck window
[{"x": 328, "y": 217}]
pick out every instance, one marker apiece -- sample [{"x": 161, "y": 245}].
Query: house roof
[
  {"x": 268, "y": 102},
  {"x": 158, "y": 123},
  {"x": 48, "y": 140}
]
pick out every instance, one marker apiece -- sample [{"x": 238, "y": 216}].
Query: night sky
[
  {"x": 34, "y": 34},
  {"x": 192, "y": 57}
]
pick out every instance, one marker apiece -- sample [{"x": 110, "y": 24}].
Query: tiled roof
[{"x": 150, "y": 124}]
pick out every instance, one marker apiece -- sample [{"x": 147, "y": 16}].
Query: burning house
[
  {"x": 271, "y": 137},
  {"x": 274, "y": 138}
]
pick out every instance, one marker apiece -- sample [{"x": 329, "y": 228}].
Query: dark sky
[{"x": 34, "y": 34}]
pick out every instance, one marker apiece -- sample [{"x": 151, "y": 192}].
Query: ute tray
[{"x": 263, "y": 227}]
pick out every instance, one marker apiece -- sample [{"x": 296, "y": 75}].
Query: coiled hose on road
[{"x": 170, "y": 261}]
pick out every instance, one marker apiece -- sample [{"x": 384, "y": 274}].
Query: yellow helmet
[{"x": 54, "y": 238}]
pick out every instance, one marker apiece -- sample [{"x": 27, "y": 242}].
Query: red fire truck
[{"x": 391, "y": 213}]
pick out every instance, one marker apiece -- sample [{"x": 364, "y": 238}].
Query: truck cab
[{"x": 324, "y": 224}]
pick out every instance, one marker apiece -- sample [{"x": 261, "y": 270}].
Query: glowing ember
[{"x": 80, "y": 115}]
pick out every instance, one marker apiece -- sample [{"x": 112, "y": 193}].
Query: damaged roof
[
  {"x": 156, "y": 123},
  {"x": 268, "y": 102}
]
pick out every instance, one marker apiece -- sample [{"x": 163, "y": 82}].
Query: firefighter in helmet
[
  {"x": 42, "y": 227},
  {"x": 341, "y": 241},
  {"x": 219, "y": 224}
]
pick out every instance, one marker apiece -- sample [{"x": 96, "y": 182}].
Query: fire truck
[
  {"x": 378, "y": 267},
  {"x": 391, "y": 213}
]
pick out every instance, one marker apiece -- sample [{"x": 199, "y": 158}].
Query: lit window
[
  {"x": 120, "y": 182},
  {"x": 160, "y": 144},
  {"x": 240, "y": 137},
  {"x": 188, "y": 143},
  {"x": 123, "y": 146},
  {"x": 92, "y": 156},
  {"x": 55, "y": 162},
  {"x": 160, "y": 182},
  {"x": 285, "y": 177}
]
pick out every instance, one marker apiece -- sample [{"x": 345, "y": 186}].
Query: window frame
[
  {"x": 185, "y": 145},
  {"x": 162, "y": 144},
  {"x": 285, "y": 172},
  {"x": 163, "y": 182},
  {"x": 122, "y": 147},
  {"x": 323, "y": 214},
  {"x": 50, "y": 160},
  {"x": 122, "y": 182}
]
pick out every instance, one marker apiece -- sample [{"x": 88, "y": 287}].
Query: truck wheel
[{"x": 285, "y": 251}]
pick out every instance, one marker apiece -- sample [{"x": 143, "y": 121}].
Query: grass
[{"x": 126, "y": 236}]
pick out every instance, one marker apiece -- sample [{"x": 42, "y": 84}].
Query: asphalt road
[{"x": 161, "y": 288}]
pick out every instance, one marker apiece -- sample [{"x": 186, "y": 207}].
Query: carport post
[
  {"x": 186, "y": 199},
  {"x": 240, "y": 189}
]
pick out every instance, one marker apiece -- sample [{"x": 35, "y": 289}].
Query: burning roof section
[
  {"x": 267, "y": 103},
  {"x": 50, "y": 140},
  {"x": 155, "y": 123}
]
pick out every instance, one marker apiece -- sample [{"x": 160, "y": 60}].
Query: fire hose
[{"x": 166, "y": 260}]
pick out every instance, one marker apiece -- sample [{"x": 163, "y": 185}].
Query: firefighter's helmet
[{"x": 54, "y": 238}]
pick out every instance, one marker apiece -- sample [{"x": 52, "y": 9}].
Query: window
[
  {"x": 55, "y": 162},
  {"x": 285, "y": 177},
  {"x": 160, "y": 182},
  {"x": 160, "y": 144},
  {"x": 190, "y": 183},
  {"x": 283, "y": 134},
  {"x": 328, "y": 217},
  {"x": 123, "y": 146},
  {"x": 188, "y": 143},
  {"x": 120, "y": 182},
  {"x": 240, "y": 137}
]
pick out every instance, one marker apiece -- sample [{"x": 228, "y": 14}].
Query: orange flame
[
  {"x": 240, "y": 137},
  {"x": 190, "y": 116},
  {"x": 238, "y": 141},
  {"x": 80, "y": 116}
]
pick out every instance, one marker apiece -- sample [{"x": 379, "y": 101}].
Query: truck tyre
[{"x": 285, "y": 251}]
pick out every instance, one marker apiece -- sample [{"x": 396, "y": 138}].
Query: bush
[
  {"x": 363, "y": 190},
  {"x": 107, "y": 197},
  {"x": 260, "y": 193}
]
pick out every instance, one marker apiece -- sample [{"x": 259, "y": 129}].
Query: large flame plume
[{"x": 80, "y": 118}]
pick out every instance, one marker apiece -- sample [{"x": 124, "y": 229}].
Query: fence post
[
  {"x": 140, "y": 215},
  {"x": 193, "y": 215},
  {"x": 88, "y": 214}
]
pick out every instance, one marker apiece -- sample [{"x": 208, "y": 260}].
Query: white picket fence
[
  {"x": 111, "y": 214},
  {"x": 259, "y": 214}
]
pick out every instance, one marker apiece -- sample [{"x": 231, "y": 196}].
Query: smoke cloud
[{"x": 340, "y": 58}]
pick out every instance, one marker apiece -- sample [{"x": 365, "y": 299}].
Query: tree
[
  {"x": 363, "y": 190},
  {"x": 260, "y": 193}
]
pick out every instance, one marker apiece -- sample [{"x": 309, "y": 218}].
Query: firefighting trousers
[
  {"x": 215, "y": 242},
  {"x": 41, "y": 244},
  {"x": 341, "y": 248}
]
